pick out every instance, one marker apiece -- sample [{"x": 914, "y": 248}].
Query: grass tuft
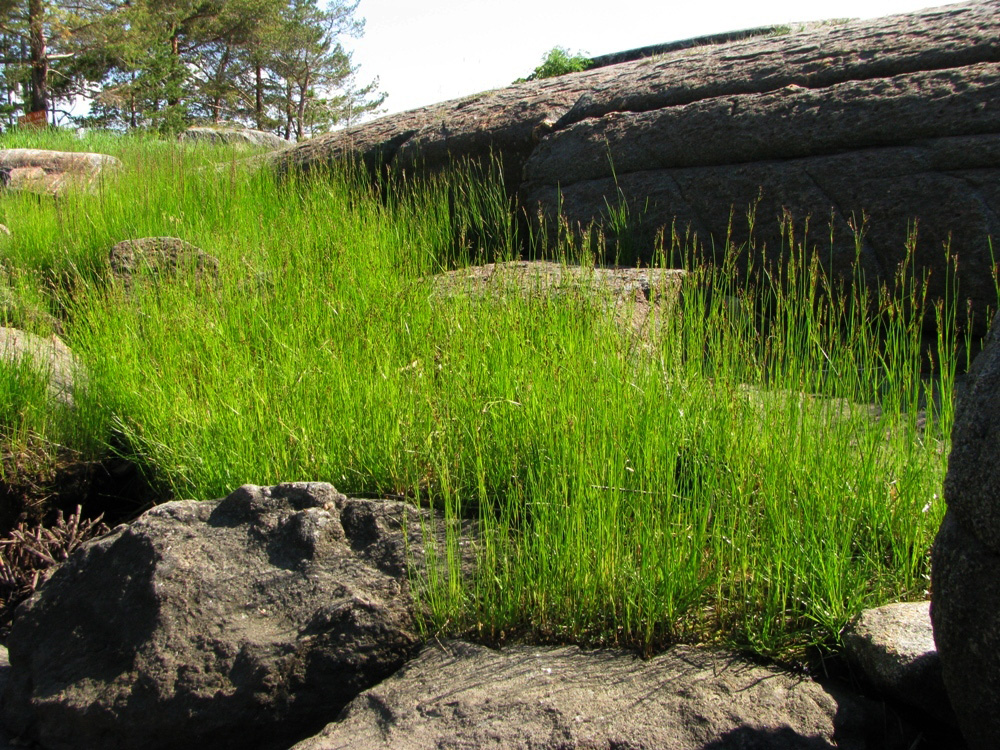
[{"x": 761, "y": 463}]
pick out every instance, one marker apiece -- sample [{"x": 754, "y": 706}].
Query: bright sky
[{"x": 426, "y": 51}]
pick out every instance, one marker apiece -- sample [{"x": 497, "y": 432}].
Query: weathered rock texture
[
  {"x": 965, "y": 608},
  {"x": 466, "y": 696},
  {"x": 234, "y": 136},
  {"x": 41, "y": 171},
  {"x": 153, "y": 258},
  {"x": 892, "y": 648},
  {"x": 896, "y": 119},
  {"x": 243, "y": 622}
]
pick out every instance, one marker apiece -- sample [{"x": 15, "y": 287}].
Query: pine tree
[{"x": 42, "y": 43}]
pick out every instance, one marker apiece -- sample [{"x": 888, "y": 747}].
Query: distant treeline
[{"x": 276, "y": 65}]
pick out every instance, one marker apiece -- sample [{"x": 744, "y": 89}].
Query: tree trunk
[
  {"x": 175, "y": 50},
  {"x": 38, "y": 100},
  {"x": 300, "y": 125},
  {"x": 289, "y": 113},
  {"x": 258, "y": 100},
  {"x": 303, "y": 93}
]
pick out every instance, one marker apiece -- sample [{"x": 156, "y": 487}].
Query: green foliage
[
  {"x": 558, "y": 61},
  {"x": 718, "y": 476},
  {"x": 161, "y": 65}
]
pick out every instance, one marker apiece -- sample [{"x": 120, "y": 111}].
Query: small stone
[{"x": 893, "y": 649}]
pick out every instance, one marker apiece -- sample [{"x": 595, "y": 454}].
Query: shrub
[{"x": 557, "y": 62}]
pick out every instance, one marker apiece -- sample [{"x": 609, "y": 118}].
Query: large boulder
[
  {"x": 893, "y": 119},
  {"x": 233, "y": 136},
  {"x": 242, "y": 622},
  {"x": 459, "y": 695},
  {"x": 965, "y": 608},
  {"x": 54, "y": 172}
]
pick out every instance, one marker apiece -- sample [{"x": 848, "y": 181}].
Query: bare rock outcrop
[
  {"x": 965, "y": 607},
  {"x": 242, "y": 622},
  {"x": 460, "y": 695},
  {"x": 54, "y": 172},
  {"x": 866, "y": 129}
]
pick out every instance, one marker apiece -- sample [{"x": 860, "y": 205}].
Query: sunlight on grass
[{"x": 755, "y": 466}]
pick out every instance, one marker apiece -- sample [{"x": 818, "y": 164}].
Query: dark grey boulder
[
  {"x": 459, "y": 695},
  {"x": 242, "y": 622},
  {"x": 965, "y": 608},
  {"x": 891, "y": 119},
  {"x": 892, "y": 649},
  {"x": 153, "y": 258}
]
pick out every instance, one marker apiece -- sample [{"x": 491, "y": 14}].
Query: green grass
[{"x": 720, "y": 479}]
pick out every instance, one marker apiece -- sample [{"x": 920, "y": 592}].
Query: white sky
[{"x": 426, "y": 51}]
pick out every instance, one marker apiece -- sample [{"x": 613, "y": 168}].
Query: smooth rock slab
[
  {"x": 893, "y": 649},
  {"x": 234, "y": 136},
  {"x": 235, "y": 623},
  {"x": 638, "y": 297},
  {"x": 461, "y": 695}
]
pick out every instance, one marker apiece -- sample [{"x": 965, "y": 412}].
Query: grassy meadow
[{"x": 724, "y": 476}]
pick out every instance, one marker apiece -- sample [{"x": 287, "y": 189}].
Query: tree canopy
[{"x": 276, "y": 65}]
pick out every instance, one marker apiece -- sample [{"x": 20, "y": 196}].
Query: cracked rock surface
[
  {"x": 460, "y": 695},
  {"x": 241, "y": 622}
]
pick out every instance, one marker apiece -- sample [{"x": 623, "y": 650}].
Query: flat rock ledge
[
  {"x": 637, "y": 297},
  {"x": 460, "y": 695},
  {"x": 234, "y": 136}
]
